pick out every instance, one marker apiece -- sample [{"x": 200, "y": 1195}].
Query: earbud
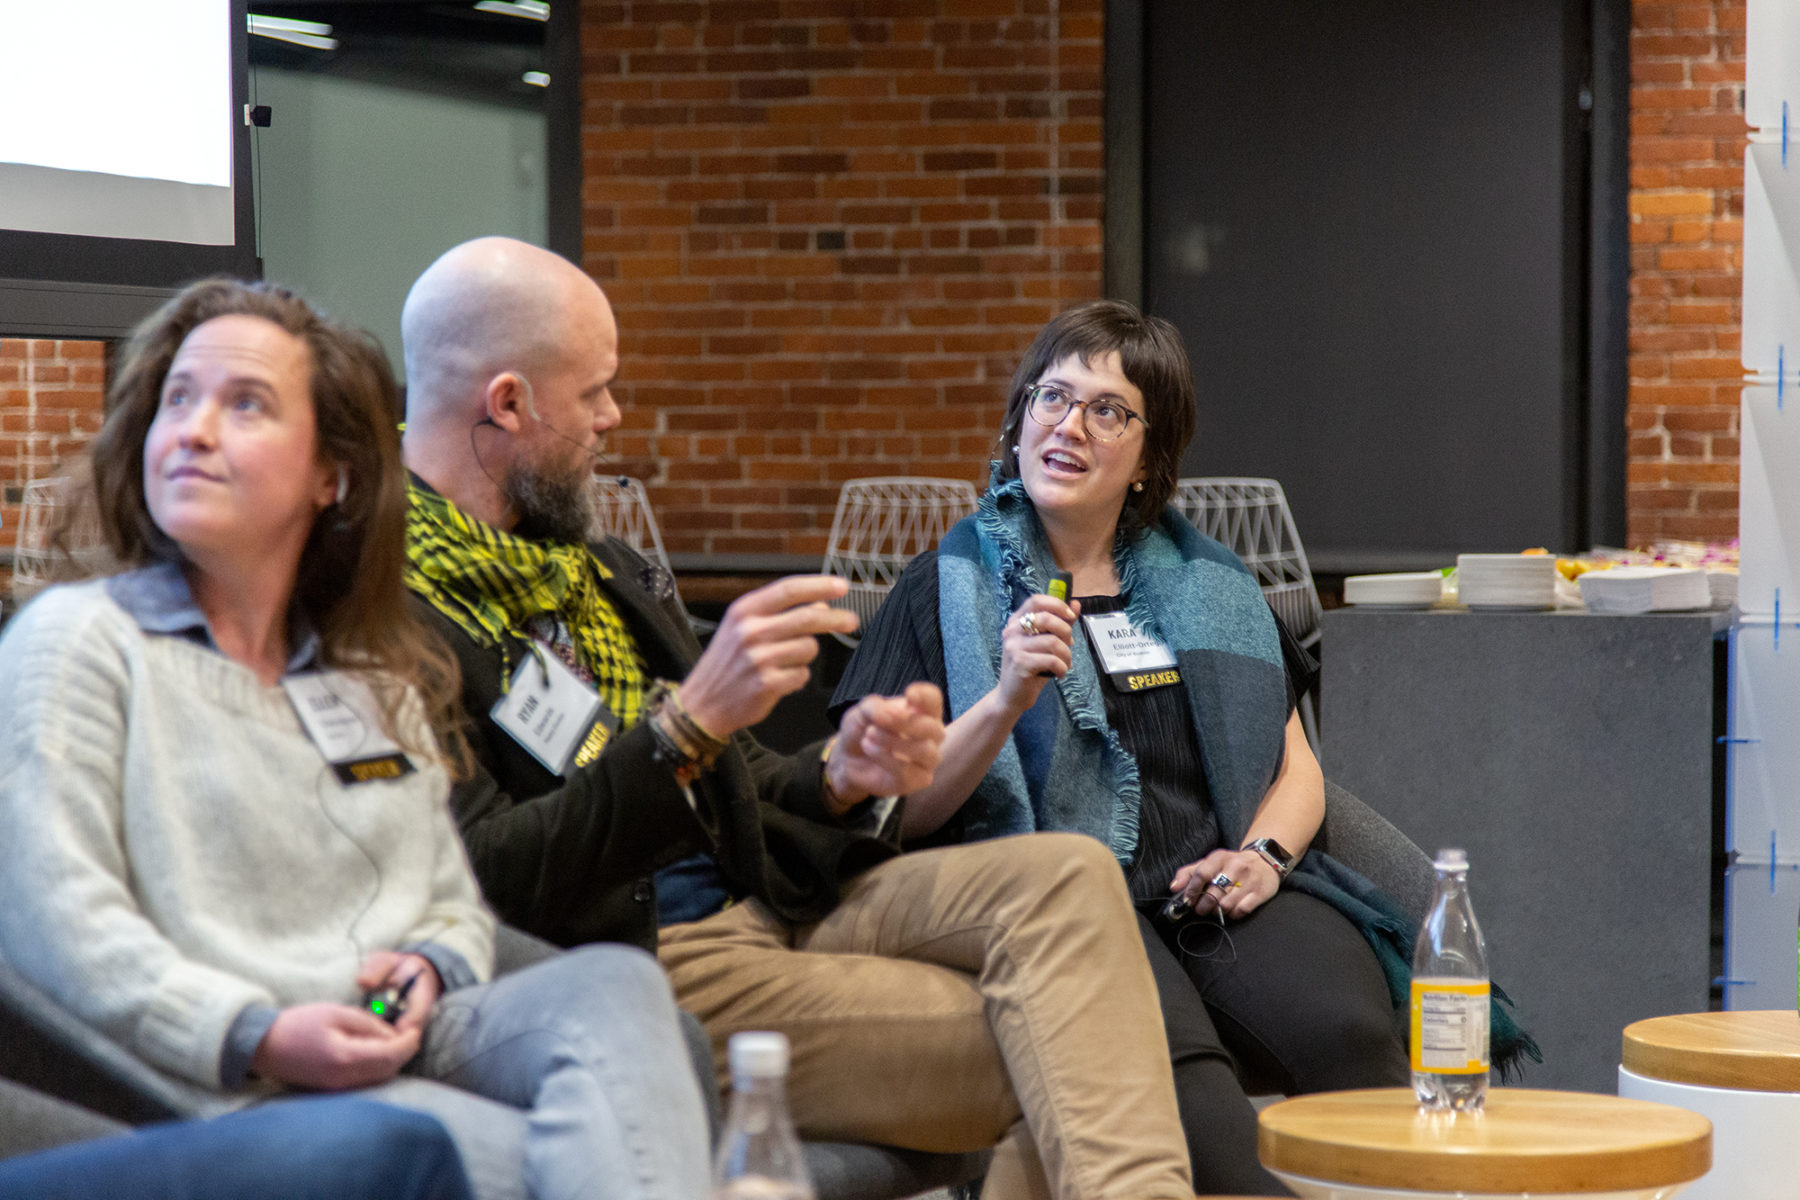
[
  {"x": 343, "y": 488},
  {"x": 1015, "y": 450}
]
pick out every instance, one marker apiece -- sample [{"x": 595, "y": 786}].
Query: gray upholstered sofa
[
  {"x": 68, "y": 1083},
  {"x": 61, "y": 1082}
]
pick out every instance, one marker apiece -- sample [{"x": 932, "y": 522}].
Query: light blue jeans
[{"x": 567, "y": 1080}]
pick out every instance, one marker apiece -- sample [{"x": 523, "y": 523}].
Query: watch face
[{"x": 1276, "y": 851}]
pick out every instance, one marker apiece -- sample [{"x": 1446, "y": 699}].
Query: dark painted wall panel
[{"x": 1356, "y": 213}]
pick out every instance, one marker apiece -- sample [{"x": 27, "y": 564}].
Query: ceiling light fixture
[
  {"x": 315, "y": 35},
  {"x": 537, "y": 78},
  {"x": 531, "y": 10}
]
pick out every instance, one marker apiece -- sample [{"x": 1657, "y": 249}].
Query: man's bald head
[
  {"x": 485, "y": 307},
  {"x": 511, "y": 352}
]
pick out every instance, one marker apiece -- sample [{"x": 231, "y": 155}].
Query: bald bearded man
[{"x": 939, "y": 1000}]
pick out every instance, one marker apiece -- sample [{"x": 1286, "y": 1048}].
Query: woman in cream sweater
[{"x": 222, "y": 800}]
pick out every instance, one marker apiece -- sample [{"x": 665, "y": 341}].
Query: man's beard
[{"x": 552, "y": 504}]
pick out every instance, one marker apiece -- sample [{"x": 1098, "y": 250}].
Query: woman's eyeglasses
[{"x": 1106, "y": 420}]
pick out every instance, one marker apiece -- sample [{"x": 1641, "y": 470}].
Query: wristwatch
[{"x": 1274, "y": 854}]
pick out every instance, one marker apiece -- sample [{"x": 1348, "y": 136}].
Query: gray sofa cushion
[{"x": 31, "y": 1121}]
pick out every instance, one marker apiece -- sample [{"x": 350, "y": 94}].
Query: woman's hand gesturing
[
  {"x": 1253, "y": 880},
  {"x": 1037, "y": 644}
]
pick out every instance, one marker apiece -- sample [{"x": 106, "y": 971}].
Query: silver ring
[
  {"x": 1028, "y": 623},
  {"x": 1224, "y": 882}
]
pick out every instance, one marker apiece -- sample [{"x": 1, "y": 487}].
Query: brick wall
[
  {"x": 51, "y": 396},
  {"x": 829, "y": 228},
  {"x": 1687, "y": 203}
]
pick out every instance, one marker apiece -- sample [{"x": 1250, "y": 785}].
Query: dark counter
[{"x": 1572, "y": 755}]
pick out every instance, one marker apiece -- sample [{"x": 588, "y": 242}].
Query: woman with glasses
[{"x": 1153, "y": 708}]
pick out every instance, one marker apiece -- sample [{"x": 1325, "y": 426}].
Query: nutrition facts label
[{"x": 1449, "y": 1025}]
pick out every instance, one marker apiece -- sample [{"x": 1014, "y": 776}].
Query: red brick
[{"x": 723, "y": 139}]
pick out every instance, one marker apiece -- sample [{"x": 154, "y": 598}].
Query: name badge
[
  {"x": 1133, "y": 659},
  {"x": 340, "y": 715},
  {"x": 558, "y": 719}
]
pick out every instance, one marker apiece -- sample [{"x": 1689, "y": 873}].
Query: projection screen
[{"x": 119, "y": 120}]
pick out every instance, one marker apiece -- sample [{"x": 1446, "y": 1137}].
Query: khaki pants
[{"x": 951, "y": 993}]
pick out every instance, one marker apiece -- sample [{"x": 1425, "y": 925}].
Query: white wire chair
[
  {"x": 884, "y": 523},
  {"x": 1252, "y": 518},
  {"x": 622, "y": 510},
  {"x": 36, "y": 563}
]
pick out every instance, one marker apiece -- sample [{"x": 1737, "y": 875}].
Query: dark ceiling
[{"x": 445, "y": 49}]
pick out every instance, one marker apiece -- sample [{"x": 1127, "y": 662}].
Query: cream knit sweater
[{"x": 173, "y": 848}]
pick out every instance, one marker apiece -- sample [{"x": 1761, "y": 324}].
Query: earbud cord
[{"x": 531, "y": 407}]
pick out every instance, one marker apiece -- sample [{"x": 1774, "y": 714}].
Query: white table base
[
  {"x": 1323, "y": 1189},
  {"x": 1756, "y": 1136}
]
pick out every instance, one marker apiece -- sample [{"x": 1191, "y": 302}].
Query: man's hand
[
  {"x": 388, "y": 966},
  {"x": 333, "y": 1046},
  {"x": 762, "y": 651},
  {"x": 887, "y": 745}
]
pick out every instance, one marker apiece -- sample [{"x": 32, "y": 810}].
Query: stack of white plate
[
  {"x": 1410, "y": 589},
  {"x": 1506, "y": 580},
  {"x": 1723, "y": 585},
  {"x": 1646, "y": 589}
]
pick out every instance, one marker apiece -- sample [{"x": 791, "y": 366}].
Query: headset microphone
[{"x": 531, "y": 407}]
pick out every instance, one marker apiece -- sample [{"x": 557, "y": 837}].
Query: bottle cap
[
  {"x": 1452, "y": 860},
  {"x": 759, "y": 1055}
]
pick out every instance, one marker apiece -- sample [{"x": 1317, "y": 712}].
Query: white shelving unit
[
  {"x": 1772, "y": 72},
  {"x": 1771, "y": 347},
  {"x": 1762, "y": 886}
]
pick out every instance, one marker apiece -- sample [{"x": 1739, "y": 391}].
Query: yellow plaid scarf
[{"x": 491, "y": 584}]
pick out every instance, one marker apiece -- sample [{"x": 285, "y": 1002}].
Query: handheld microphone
[{"x": 388, "y": 1001}]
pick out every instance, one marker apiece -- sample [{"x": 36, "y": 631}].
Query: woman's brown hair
[
  {"x": 1152, "y": 357},
  {"x": 351, "y": 582}
]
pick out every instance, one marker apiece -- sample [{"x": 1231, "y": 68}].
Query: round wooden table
[
  {"x": 1749, "y": 1051},
  {"x": 1376, "y": 1143},
  {"x": 1740, "y": 1070}
]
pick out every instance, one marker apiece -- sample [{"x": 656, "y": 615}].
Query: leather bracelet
[
  {"x": 709, "y": 744},
  {"x": 682, "y": 743},
  {"x": 833, "y": 800},
  {"x": 690, "y": 742},
  {"x": 670, "y": 753}
]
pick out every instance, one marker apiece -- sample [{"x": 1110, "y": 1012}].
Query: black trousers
[{"x": 1290, "y": 1001}]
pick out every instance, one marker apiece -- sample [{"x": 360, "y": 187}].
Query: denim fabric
[
  {"x": 689, "y": 890},
  {"x": 342, "y": 1148},
  {"x": 568, "y": 1080}
]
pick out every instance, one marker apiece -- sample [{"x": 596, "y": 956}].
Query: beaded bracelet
[{"x": 682, "y": 742}]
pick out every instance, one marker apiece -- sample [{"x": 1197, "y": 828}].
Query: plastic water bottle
[
  {"x": 1450, "y": 997},
  {"x": 759, "y": 1155}
]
